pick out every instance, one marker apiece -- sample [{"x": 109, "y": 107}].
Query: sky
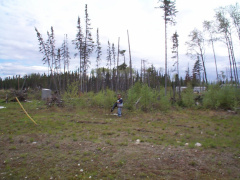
[{"x": 19, "y": 46}]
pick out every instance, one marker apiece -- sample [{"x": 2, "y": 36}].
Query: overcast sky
[{"x": 19, "y": 50}]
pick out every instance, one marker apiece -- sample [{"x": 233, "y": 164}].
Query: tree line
[{"x": 121, "y": 77}]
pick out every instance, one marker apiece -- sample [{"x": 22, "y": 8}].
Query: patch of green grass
[
  {"x": 24, "y": 155},
  {"x": 193, "y": 163},
  {"x": 13, "y": 147},
  {"x": 109, "y": 142},
  {"x": 57, "y": 145},
  {"x": 123, "y": 144},
  {"x": 120, "y": 163}
]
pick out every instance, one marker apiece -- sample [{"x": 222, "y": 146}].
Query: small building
[
  {"x": 182, "y": 88},
  {"x": 197, "y": 89},
  {"x": 46, "y": 94}
]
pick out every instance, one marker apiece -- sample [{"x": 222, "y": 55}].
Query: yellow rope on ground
[{"x": 25, "y": 111}]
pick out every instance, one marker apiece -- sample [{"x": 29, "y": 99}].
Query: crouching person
[{"x": 119, "y": 105}]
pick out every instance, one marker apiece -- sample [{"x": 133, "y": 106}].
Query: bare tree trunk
[
  {"x": 214, "y": 58},
  {"x": 178, "y": 79},
  {"x": 229, "y": 56},
  {"x": 203, "y": 63},
  {"x": 165, "y": 57},
  {"x": 117, "y": 84},
  {"x": 130, "y": 62},
  {"x": 233, "y": 60}
]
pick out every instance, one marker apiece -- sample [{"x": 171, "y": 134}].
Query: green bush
[
  {"x": 226, "y": 97},
  {"x": 70, "y": 96},
  {"x": 133, "y": 94},
  {"x": 146, "y": 97},
  {"x": 104, "y": 99},
  {"x": 188, "y": 97},
  {"x": 150, "y": 99},
  {"x": 210, "y": 97},
  {"x": 164, "y": 102}
]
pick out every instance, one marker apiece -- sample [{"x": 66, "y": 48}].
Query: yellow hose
[{"x": 25, "y": 111}]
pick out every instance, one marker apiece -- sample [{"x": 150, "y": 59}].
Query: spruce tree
[
  {"x": 79, "y": 46},
  {"x": 88, "y": 46},
  {"x": 99, "y": 53},
  {"x": 170, "y": 12}
]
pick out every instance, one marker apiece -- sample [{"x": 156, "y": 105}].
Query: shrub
[
  {"x": 210, "y": 96},
  {"x": 104, "y": 99},
  {"x": 188, "y": 97},
  {"x": 133, "y": 94},
  {"x": 161, "y": 102},
  {"x": 146, "y": 97},
  {"x": 217, "y": 97},
  {"x": 71, "y": 94}
]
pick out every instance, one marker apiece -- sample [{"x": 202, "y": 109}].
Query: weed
[
  {"x": 121, "y": 163},
  {"x": 108, "y": 142},
  {"x": 193, "y": 163},
  {"x": 12, "y": 147},
  {"x": 123, "y": 144},
  {"x": 24, "y": 155},
  {"x": 57, "y": 145}
]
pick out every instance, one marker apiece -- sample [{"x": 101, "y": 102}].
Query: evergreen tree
[
  {"x": 187, "y": 76},
  {"x": 88, "y": 45},
  {"x": 196, "y": 72},
  {"x": 79, "y": 46},
  {"x": 66, "y": 60},
  {"x": 170, "y": 12},
  {"x": 175, "y": 52},
  {"x": 99, "y": 53},
  {"x": 109, "y": 63}
]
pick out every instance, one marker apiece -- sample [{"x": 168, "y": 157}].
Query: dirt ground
[{"x": 89, "y": 144}]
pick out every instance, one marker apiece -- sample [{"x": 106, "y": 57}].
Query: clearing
[{"x": 83, "y": 143}]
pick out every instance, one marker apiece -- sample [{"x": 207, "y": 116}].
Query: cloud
[
  {"x": 13, "y": 69},
  {"x": 18, "y": 40}
]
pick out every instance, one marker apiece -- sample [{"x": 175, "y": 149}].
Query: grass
[{"x": 105, "y": 146}]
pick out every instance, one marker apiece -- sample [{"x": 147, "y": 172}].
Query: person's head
[{"x": 119, "y": 95}]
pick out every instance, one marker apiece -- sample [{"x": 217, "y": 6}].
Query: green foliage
[
  {"x": 217, "y": 97},
  {"x": 72, "y": 91},
  {"x": 188, "y": 97},
  {"x": 164, "y": 102},
  {"x": 146, "y": 97},
  {"x": 149, "y": 98},
  {"x": 104, "y": 99},
  {"x": 133, "y": 94},
  {"x": 71, "y": 94}
]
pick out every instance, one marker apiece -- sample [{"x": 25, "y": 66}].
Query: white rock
[
  {"x": 137, "y": 141},
  {"x": 198, "y": 144},
  {"x": 81, "y": 170},
  {"x": 186, "y": 144}
]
